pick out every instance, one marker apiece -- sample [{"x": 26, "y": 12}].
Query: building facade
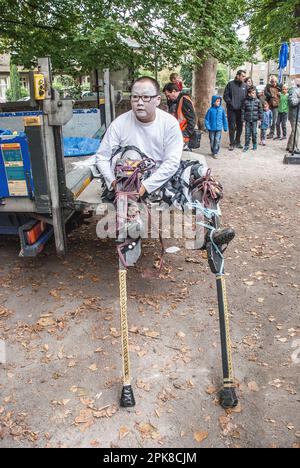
[
  {"x": 261, "y": 71},
  {"x": 119, "y": 79},
  {"x": 5, "y": 79}
]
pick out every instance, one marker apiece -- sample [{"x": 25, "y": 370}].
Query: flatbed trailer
[{"x": 39, "y": 198}]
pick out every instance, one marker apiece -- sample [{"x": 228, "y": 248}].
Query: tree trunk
[{"x": 204, "y": 82}]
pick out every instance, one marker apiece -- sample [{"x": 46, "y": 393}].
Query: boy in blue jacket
[
  {"x": 215, "y": 122},
  {"x": 266, "y": 123}
]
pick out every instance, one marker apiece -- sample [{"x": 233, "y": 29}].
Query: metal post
[
  {"x": 113, "y": 104},
  {"x": 49, "y": 139},
  {"x": 98, "y": 93},
  {"x": 155, "y": 58},
  {"x": 296, "y": 129},
  {"x": 108, "y": 118}
]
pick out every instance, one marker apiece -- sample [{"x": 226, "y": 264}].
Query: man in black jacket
[
  {"x": 181, "y": 106},
  {"x": 234, "y": 95}
]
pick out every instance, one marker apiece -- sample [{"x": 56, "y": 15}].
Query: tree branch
[{"x": 30, "y": 25}]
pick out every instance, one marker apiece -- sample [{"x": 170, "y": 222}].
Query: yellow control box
[{"x": 39, "y": 87}]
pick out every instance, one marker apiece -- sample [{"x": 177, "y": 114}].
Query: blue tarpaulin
[
  {"x": 73, "y": 146},
  {"x": 5, "y": 132}
]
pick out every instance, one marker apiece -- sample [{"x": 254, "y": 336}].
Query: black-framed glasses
[{"x": 136, "y": 97}]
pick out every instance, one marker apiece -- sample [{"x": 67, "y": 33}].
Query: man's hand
[
  {"x": 142, "y": 191},
  {"x": 113, "y": 184}
]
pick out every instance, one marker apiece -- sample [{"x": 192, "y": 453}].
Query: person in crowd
[
  {"x": 177, "y": 80},
  {"x": 215, "y": 122},
  {"x": 181, "y": 106},
  {"x": 249, "y": 82},
  {"x": 266, "y": 123},
  {"x": 261, "y": 96},
  {"x": 272, "y": 93},
  {"x": 251, "y": 113},
  {"x": 234, "y": 95},
  {"x": 283, "y": 110},
  {"x": 294, "y": 118}
]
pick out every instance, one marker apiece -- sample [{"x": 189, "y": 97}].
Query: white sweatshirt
[{"x": 160, "y": 139}]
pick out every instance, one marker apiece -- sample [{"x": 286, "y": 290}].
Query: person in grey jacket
[
  {"x": 294, "y": 110},
  {"x": 234, "y": 95}
]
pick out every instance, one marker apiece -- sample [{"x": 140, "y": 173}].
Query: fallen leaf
[
  {"x": 105, "y": 412},
  {"x": 180, "y": 334},
  {"x": 236, "y": 409},
  {"x": 211, "y": 389},
  {"x": 84, "y": 416},
  {"x": 147, "y": 430},
  {"x": 282, "y": 340},
  {"x": 4, "y": 312},
  {"x": 143, "y": 385},
  {"x": 152, "y": 334},
  {"x": 46, "y": 322},
  {"x": 95, "y": 443},
  {"x": 199, "y": 436},
  {"x": 123, "y": 432},
  {"x": 93, "y": 367},
  {"x": 74, "y": 389},
  {"x": 253, "y": 386},
  {"x": 225, "y": 424},
  {"x": 115, "y": 333}
]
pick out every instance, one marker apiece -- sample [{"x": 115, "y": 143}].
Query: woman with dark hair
[{"x": 249, "y": 82}]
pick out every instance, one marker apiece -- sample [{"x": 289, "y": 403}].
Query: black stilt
[{"x": 228, "y": 398}]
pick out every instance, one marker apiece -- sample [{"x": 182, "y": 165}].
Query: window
[
  {"x": 3, "y": 87},
  {"x": 261, "y": 81},
  {"x": 24, "y": 82}
]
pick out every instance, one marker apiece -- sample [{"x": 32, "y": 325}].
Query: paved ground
[{"x": 59, "y": 320}]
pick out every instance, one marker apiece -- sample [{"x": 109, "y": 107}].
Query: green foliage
[
  {"x": 271, "y": 23},
  {"x": 186, "y": 73},
  {"x": 222, "y": 76},
  {"x": 80, "y": 35},
  {"x": 10, "y": 97},
  {"x": 68, "y": 86},
  {"x": 15, "y": 85}
]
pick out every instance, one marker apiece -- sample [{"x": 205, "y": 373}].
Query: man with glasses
[{"x": 155, "y": 132}]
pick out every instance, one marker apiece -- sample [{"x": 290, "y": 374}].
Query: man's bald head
[
  {"x": 273, "y": 79},
  {"x": 149, "y": 79},
  {"x": 145, "y": 98}
]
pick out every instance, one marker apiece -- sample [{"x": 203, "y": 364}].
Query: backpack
[{"x": 195, "y": 139}]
